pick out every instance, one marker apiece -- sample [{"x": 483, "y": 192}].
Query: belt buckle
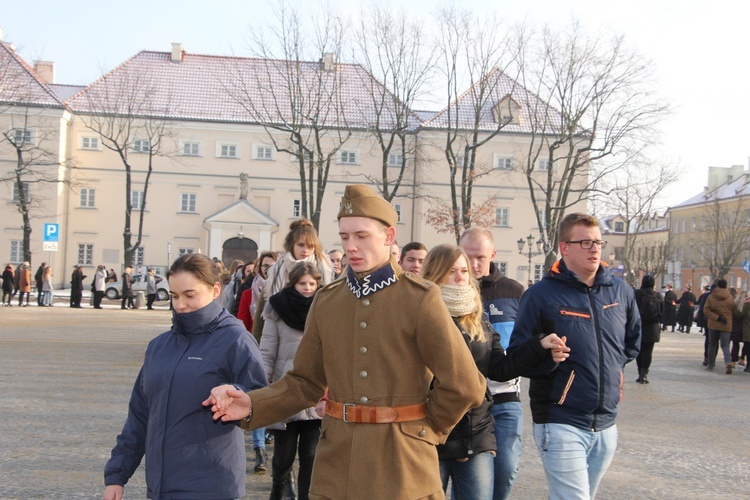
[{"x": 344, "y": 413}]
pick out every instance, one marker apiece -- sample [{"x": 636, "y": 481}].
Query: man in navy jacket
[{"x": 574, "y": 404}]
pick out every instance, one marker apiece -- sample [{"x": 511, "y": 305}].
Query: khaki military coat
[{"x": 382, "y": 349}]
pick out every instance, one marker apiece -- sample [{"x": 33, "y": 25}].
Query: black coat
[
  {"x": 650, "y": 332},
  {"x": 76, "y": 282},
  {"x": 686, "y": 310},
  {"x": 127, "y": 285},
  {"x": 8, "y": 280},
  {"x": 670, "y": 310}
]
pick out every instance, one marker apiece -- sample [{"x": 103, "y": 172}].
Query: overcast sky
[{"x": 700, "y": 54}]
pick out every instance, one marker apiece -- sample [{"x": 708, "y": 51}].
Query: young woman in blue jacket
[{"x": 188, "y": 454}]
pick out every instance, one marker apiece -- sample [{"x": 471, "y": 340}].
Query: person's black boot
[
  {"x": 289, "y": 490},
  {"x": 260, "y": 461},
  {"x": 640, "y": 377},
  {"x": 644, "y": 378}
]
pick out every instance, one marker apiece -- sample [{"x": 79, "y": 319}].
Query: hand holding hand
[
  {"x": 557, "y": 347},
  {"x": 228, "y": 403}
]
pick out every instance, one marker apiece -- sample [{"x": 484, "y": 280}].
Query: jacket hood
[
  {"x": 722, "y": 294},
  {"x": 204, "y": 320},
  {"x": 560, "y": 271},
  {"x": 495, "y": 274}
]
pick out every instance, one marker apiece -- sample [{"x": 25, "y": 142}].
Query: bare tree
[
  {"x": 394, "y": 50},
  {"x": 302, "y": 107},
  {"x": 726, "y": 231},
  {"x": 123, "y": 110},
  {"x": 474, "y": 52},
  {"x": 591, "y": 106}
]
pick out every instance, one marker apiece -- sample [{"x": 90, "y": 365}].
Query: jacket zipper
[
  {"x": 575, "y": 314},
  {"x": 567, "y": 387},
  {"x": 601, "y": 356}
]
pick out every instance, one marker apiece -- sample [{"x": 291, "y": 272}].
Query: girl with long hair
[{"x": 467, "y": 457}]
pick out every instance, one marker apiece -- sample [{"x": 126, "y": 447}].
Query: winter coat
[
  {"x": 100, "y": 278},
  {"x": 650, "y": 332},
  {"x": 719, "y": 303},
  {"x": 24, "y": 285},
  {"x": 382, "y": 345},
  {"x": 700, "y": 320},
  {"x": 278, "y": 346},
  {"x": 500, "y": 298},
  {"x": 603, "y": 330},
  {"x": 47, "y": 283},
  {"x": 243, "y": 310},
  {"x": 736, "y": 335},
  {"x": 8, "y": 281},
  {"x": 686, "y": 311},
  {"x": 746, "y": 322},
  {"x": 38, "y": 276},
  {"x": 76, "y": 281},
  {"x": 127, "y": 285},
  {"x": 475, "y": 432},
  {"x": 670, "y": 311},
  {"x": 188, "y": 454},
  {"x": 150, "y": 284}
]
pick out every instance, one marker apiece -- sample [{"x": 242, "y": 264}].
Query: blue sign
[
  {"x": 746, "y": 266},
  {"x": 51, "y": 232}
]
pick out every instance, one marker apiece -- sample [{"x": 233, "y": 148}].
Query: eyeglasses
[
  {"x": 266, "y": 266},
  {"x": 587, "y": 244}
]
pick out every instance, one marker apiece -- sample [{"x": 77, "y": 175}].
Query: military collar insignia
[{"x": 371, "y": 283}]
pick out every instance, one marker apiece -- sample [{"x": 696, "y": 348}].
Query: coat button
[
  {"x": 363, "y": 350},
  {"x": 366, "y": 302},
  {"x": 422, "y": 433},
  {"x": 364, "y": 399},
  {"x": 363, "y": 374},
  {"x": 362, "y": 325}
]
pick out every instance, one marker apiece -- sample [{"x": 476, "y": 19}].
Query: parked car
[{"x": 139, "y": 284}]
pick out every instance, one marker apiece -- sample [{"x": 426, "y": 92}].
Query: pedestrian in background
[
  {"x": 745, "y": 356},
  {"x": 76, "y": 286},
  {"x": 8, "y": 285},
  {"x": 100, "y": 278},
  {"x": 669, "y": 317},
  {"x": 127, "y": 289},
  {"x": 736, "y": 336},
  {"x": 112, "y": 276},
  {"x": 38, "y": 277},
  {"x": 718, "y": 312},
  {"x": 650, "y": 307},
  {"x": 150, "y": 288},
  {"x": 187, "y": 454},
  {"x": 686, "y": 311},
  {"x": 47, "y": 287},
  {"x": 24, "y": 283}
]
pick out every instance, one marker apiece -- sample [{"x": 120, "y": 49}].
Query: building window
[
  {"x": 460, "y": 161},
  {"x": 183, "y": 251},
  {"x": 296, "y": 208},
  {"x": 504, "y": 162},
  {"x": 191, "y": 148},
  {"x": 502, "y": 218},
  {"x": 543, "y": 165},
  {"x": 142, "y": 146},
  {"x": 139, "y": 256},
  {"x": 397, "y": 208},
  {"x": 187, "y": 202},
  {"x": 90, "y": 143},
  {"x": 503, "y": 267},
  {"x": 692, "y": 224},
  {"x": 395, "y": 160},
  {"x": 348, "y": 157},
  {"x": 136, "y": 199},
  {"x": 227, "y": 150},
  {"x": 23, "y": 137},
  {"x": 619, "y": 227},
  {"x": 87, "y": 198},
  {"x": 16, "y": 251},
  {"x": 85, "y": 254},
  {"x": 263, "y": 152},
  {"x": 16, "y": 197}
]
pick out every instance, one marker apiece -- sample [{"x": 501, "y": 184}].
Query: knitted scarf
[
  {"x": 292, "y": 307},
  {"x": 460, "y": 300}
]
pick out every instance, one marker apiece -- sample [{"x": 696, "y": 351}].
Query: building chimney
[
  {"x": 178, "y": 53},
  {"x": 328, "y": 62},
  {"x": 45, "y": 70}
]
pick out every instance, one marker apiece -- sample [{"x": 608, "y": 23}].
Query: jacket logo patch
[
  {"x": 494, "y": 311},
  {"x": 195, "y": 358}
]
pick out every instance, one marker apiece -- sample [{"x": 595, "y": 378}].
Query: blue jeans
[
  {"x": 259, "y": 438},
  {"x": 470, "y": 479},
  {"x": 574, "y": 459},
  {"x": 508, "y": 429}
]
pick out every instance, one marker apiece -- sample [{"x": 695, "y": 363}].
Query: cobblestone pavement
[{"x": 66, "y": 376}]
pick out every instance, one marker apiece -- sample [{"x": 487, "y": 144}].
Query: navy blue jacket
[
  {"x": 188, "y": 454},
  {"x": 603, "y": 330}
]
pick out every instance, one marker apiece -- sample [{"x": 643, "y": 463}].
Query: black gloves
[{"x": 722, "y": 320}]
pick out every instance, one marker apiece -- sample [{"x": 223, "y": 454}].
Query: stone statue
[{"x": 243, "y": 186}]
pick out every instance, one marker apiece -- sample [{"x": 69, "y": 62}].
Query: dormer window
[{"x": 506, "y": 112}]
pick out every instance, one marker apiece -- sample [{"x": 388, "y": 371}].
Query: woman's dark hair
[
  {"x": 303, "y": 229},
  {"x": 259, "y": 262},
  {"x": 197, "y": 264},
  {"x": 302, "y": 268}
]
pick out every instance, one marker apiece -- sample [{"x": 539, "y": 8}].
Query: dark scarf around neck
[{"x": 292, "y": 307}]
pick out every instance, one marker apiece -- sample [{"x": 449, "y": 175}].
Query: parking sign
[{"x": 51, "y": 232}]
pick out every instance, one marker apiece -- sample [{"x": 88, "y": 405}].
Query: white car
[{"x": 139, "y": 285}]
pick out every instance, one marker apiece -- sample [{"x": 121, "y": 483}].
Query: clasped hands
[{"x": 557, "y": 347}]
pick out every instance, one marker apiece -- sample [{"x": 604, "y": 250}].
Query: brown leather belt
[{"x": 361, "y": 414}]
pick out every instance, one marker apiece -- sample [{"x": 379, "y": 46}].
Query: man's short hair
[
  {"x": 412, "y": 245},
  {"x": 476, "y": 232},
  {"x": 575, "y": 219},
  {"x": 722, "y": 283}
]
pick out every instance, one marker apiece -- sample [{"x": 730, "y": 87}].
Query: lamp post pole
[{"x": 530, "y": 239}]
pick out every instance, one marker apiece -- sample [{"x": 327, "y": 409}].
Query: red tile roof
[{"x": 20, "y": 84}]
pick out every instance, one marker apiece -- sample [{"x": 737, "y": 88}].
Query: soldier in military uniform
[{"x": 376, "y": 339}]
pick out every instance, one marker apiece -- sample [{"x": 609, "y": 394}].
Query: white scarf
[{"x": 460, "y": 300}]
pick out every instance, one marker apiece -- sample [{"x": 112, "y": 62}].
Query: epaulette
[
  {"x": 333, "y": 284},
  {"x": 413, "y": 278}
]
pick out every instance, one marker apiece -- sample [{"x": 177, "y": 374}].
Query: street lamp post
[{"x": 530, "y": 254}]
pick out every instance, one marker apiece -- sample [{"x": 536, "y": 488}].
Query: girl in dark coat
[
  {"x": 686, "y": 310},
  {"x": 127, "y": 289},
  {"x": 650, "y": 332},
  {"x": 669, "y": 317},
  {"x": 467, "y": 457},
  {"x": 76, "y": 287}
]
